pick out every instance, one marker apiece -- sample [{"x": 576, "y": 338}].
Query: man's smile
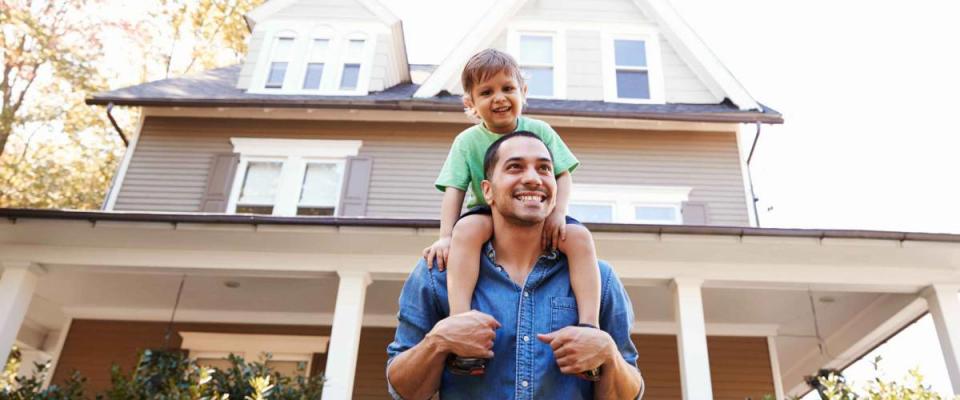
[{"x": 531, "y": 197}]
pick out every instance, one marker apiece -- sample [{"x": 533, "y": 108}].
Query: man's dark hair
[{"x": 491, "y": 157}]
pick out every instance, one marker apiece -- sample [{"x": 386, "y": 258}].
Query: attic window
[
  {"x": 316, "y": 60},
  {"x": 632, "y": 71},
  {"x": 279, "y": 61},
  {"x": 536, "y": 63},
  {"x": 352, "y": 58}
]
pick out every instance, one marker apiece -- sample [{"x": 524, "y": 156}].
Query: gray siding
[{"x": 168, "y": 170}]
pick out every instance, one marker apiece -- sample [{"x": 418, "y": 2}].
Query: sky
[{"x": 867, "y": 90}]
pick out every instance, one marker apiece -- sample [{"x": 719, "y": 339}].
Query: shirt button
[
  {"x": 525, "y": 383},
  {"x": 526, "y": 294},
  {"x": 526, "y": 338}
]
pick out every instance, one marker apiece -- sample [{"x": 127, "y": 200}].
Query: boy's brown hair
[{"x": 486, "y": 64}]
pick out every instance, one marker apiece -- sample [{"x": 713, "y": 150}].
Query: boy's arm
[
  {"x": 449, "y": 212},
  {"x": 564, "y": 185},
  {"x": 555, "y": 228}
]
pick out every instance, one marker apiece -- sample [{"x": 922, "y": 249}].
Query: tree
[
  {"x": 59, "y": 152},
  {"x": 878, "y": 388}
]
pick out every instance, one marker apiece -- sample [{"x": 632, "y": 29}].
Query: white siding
[
  {"x": 584, "y": 66},
  {"x": 329, "y": 10},
  {"x": 254, "y": 49},
  {"x": 680, "y": 83},
  {"x": 607, "y": 11}
]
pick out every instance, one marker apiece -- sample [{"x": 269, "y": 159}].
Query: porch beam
[
  {"x": 944, "y": 304},
  {"x": 692, "y": 339},
  {"x": 345, "y": 335},
  {"x": 16, "y": 290}
]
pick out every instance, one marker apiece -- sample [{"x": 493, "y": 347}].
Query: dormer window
[
  {"x": 632, "y": 72},
  {"x": 279, "y": 61},
  {"x": 316, "y": 60},
  {"x": 539, "y": 55},
  {"x": 352, "y": 59}
]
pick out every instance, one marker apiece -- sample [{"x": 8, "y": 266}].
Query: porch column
[
  {"x": 692, "y": 339},
  {"x": 16, "y": 289},
  {"x": 944, "y": 305},
  {"x": 345, "y": 335}
]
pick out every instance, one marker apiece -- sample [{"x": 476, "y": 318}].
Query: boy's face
[{"x": 498, "y": 101}]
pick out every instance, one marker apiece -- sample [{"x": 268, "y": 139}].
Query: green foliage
[
  {"x": 911, "y": 387},
  {"x": 31, "y": 388},
  {"x": 173, "y": 376}
]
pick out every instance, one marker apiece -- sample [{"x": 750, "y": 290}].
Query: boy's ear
[
  {"x": 487, "y": 191},
  {"x": 467, "y": 101}
]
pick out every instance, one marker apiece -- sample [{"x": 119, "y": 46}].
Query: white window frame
[
  {"x": 624, "y": 198},
  {"x": 654, "y": 66},
  {"x": 290, "y": 60},
  {"x": 251, "y": 347},
  {"x": 339, "y": 39},
  {"x": 308, "y": 59},
  {"x": 559, "y": 56},
  {"x": 294, "y": 154}
]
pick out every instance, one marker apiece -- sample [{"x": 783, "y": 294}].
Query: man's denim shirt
[{"x": 523, "y": 367}]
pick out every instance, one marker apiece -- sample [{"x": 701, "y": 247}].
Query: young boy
[{"x": 494, "y": 92}]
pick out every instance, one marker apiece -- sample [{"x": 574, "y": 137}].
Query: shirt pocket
[{"x": 563, "y": 312}]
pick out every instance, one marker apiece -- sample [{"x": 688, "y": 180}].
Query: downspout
[
  {"x": 126, "y": 143},
  {"x": 753, "y": 195}
]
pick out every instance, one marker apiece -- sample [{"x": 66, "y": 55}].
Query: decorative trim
[{"x": 654, "y": 66}]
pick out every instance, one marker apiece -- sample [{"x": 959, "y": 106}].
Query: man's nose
[{"x": 531, "y": 177}]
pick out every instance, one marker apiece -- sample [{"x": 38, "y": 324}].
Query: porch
[{"x": 723, "y": 313}]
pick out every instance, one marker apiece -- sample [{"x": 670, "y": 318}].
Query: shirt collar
[{"x": 549, "y": 255}]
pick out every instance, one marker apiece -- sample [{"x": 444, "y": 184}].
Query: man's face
[
  {"x": 498, "y": 101},
  {"x": 521, "y": 186}
]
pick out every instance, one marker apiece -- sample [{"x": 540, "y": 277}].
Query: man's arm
[
  {"x": 618, "y": 378},
  {"x": 415, "y": 373},
  {"x": 579, "y": 349}
]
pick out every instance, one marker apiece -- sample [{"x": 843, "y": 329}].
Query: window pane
[
  {"x": 261, "y": 210},
  {"x": 321, "y": 183},
  {"x": 355, "y": 49},
  {"x": 277, "y": 72},
  {"x": 350, "y": 74},
  {"x": 591, "y": 212},
  {"x": 312, "y": 78},
  {"x": 536, "y": 50},
  {"x": 260, "y": 183},
  {"x": 648, "y": 213},
  {"x": 318, "y": 52},
  {"x": 630, "y": 53},
  {"x": 633, "y": 85},
  {"x": 315, "y": 211},
  {"x": 539, "y": 81},
  {"x": 283, "y": 49}
]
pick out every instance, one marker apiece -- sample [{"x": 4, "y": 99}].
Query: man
[{"x": 525, "y": 313}]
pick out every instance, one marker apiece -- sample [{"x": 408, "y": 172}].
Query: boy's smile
[{"x": 498, "y": 101}]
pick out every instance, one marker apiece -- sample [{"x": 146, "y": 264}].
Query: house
[{"x": 278, "y": 205}]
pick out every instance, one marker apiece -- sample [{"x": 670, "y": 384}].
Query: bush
[{"x": 911, "y": 388}]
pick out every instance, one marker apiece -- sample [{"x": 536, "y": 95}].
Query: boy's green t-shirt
[{"x": 464, "y": 165}]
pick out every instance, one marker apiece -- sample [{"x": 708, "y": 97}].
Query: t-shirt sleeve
[
  {"x": 563, "y": 158},
  {"x": 455, "y": 172},
  {"x": 616, "y": 314}
]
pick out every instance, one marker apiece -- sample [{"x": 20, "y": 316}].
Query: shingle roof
[{"x": 217, "y": 88}]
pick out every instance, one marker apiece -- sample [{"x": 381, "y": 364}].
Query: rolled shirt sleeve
[{"x": 419, "y": 312}]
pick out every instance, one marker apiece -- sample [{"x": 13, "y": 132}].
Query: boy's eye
[
  {"x": 485, "y": 92},
  {"x": 508, "y": 89}
]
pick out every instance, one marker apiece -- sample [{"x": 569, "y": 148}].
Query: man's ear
[{"x": 487, "y": 191}]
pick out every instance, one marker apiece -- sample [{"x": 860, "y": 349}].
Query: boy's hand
[
  {"x": 554, "y": 230},
  {"x": 439, "y": 249}
]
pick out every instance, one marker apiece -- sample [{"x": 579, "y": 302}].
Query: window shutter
[
  {"x": 694, "y": 213},
  {"x": 356, "y": 186},
  {"x": 219, "y": 182}
]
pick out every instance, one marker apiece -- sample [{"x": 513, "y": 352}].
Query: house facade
[{"x": 277, "y": 206}]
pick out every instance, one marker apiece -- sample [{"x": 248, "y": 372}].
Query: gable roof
[
  {"x": 216, "y": 88},
  {"x": 273, "y": 6},
  {"x": 689, "y": 46}
]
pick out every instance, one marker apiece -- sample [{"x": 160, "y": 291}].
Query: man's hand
[
  {"x": 439, "y": 249},
  {"x": 579, "y": 349},
  {"x": 554, "y": 229},
  {"x": 468, "y": 334}
]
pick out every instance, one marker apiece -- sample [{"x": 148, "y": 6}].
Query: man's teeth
[{"x": 530, "y": 198}]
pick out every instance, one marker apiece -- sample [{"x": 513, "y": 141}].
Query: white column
[
  {"x": 16, "y": 289},
  {"x": 692, "y": 339},
  {"x": 775, "y": 367},
  {"x": 944, "y": 304},
  {"x": 345, "y": 335}
]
